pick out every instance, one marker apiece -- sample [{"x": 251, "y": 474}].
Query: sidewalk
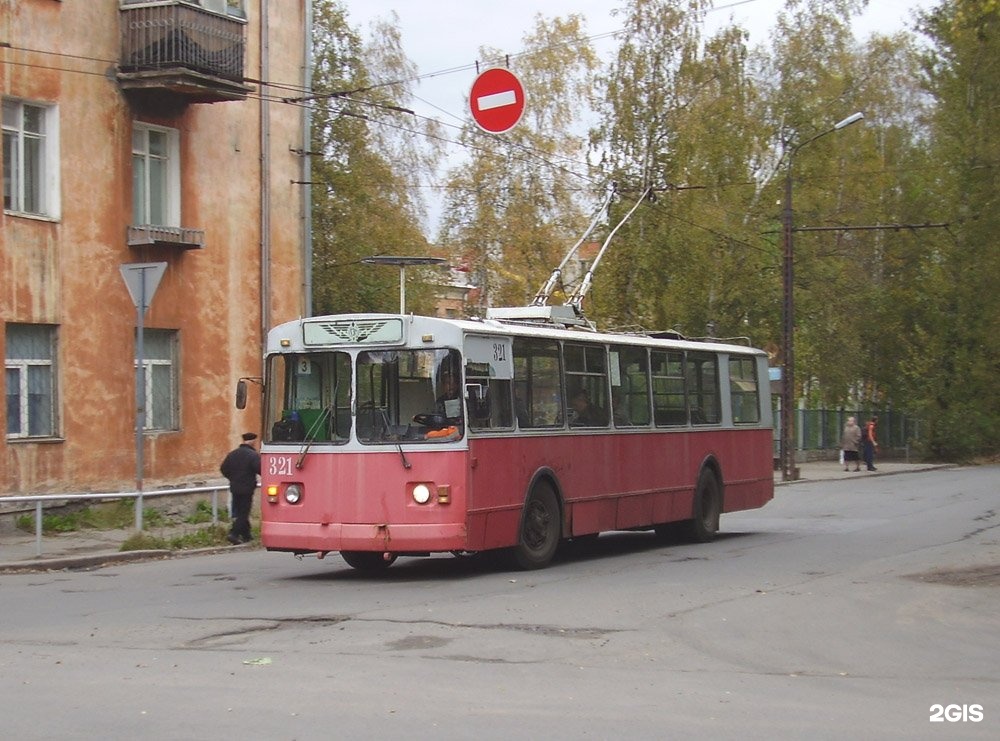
[
  {"x": 88, "y": 549},
  {"x": 81, "y": 549},
  {"x": 833, "y": 471}
]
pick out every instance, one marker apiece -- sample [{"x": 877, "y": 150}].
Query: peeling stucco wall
[{"x": 66, "y": 271}]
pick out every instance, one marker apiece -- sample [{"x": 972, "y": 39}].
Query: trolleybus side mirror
[{"x": 241, "y": 394}]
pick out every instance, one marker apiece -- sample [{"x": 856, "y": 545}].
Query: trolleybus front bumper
[{"x": 400, "y": 538}]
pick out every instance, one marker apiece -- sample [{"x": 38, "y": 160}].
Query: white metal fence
[{"x": 139, "y": 496}]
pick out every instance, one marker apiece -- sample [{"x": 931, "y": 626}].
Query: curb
[
  {"x": 98, "y": 560},
  {"x": 916, "y": 468}
]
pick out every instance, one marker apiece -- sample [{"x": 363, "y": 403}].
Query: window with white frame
[
  {"x": 230, "y": 7},
  {"x": 155, "y": 176},
  {"x": 160, "y": 381},
  {"x": 30, "y": 158},
  {"x": 30, "y": 380}
]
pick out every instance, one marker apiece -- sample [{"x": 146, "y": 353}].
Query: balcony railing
[
  {"x": 181, "y": 47},
  {"x": 165, "y": 236}
]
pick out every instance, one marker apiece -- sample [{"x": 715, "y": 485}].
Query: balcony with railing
[
  {"x": 165, "y": 236},
  {"x": 192, "y": 50}
]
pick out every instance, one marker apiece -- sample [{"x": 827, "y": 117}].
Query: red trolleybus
[{"x": 395, "y": 435}]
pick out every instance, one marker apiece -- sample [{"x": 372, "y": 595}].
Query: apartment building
[{"x": 147, "y": 149}]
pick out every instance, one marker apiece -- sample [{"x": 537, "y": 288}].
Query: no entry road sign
[{"x": 496, "y": 100}]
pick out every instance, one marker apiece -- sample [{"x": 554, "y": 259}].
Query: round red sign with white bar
[{"x": 496, "y": 100}]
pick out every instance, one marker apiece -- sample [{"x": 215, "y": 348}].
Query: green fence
[{"x": 820, "y": 429}]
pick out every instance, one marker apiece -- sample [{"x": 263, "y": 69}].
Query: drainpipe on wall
[
  {"x": 307, "y": 234},
  {"x": 265, "y": 179}
]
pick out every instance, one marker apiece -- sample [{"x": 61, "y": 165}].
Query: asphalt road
[{"x": 843, "y": 609}]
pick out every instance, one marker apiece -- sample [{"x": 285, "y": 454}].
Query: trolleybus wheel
[
  {"x": 707, "y": 508},
  {"x": 367, "y": 560},
  {"x": 540, "y": 532}
]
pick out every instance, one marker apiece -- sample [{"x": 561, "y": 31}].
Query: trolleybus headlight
[
  {"x": 421, "y": 493},
  {"x": 293, "y": 493}
]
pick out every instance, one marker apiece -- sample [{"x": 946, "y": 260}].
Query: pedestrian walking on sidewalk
[
  {"x": 242, "y": 466},
  {"x": 870, "y": 442},
  {"x": 850, "y": 442}
]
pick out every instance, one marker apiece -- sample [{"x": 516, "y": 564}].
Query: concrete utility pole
[{"x": 788, "y": 315}]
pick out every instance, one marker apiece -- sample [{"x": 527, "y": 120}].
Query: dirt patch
[{"x": 970, "y": 576}]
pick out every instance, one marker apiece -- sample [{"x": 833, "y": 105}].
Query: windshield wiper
[
  {"x": 394, "y": 437},
  {"x": 313, "y": 431},
  {"x": 311, "y": 434}
]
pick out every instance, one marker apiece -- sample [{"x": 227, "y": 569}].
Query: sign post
[
  {"x": 496, "y": 100},
  {"x": 142, "y": 280}
]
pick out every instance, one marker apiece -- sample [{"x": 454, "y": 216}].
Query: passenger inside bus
[
  {"x": 448, "y": 402},
  {"x": 289, "y": 428},
  {"x": 585, "y": 414}
]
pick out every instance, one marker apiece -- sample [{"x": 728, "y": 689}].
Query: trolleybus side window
[
  {"x": 669, "y": 403},
  {"x": 538, "y": 392},
  {"x": 743, "y": 393},
  {"x": 586, "y": 385},
  {"x": 702, "y": 376},
  {"x": 630, "y": 386},
  {"x": 309, "y": 398},
  {"x": 489, "y": 369}
]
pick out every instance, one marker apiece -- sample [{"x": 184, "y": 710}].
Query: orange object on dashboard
[{"x": 443, "y": 432}]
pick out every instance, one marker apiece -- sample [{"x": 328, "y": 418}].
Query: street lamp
[
  {"x": 788, "y": 316},
  {"x": 401, "y": 262}
]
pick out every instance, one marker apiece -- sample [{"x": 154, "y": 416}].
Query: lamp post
[
  {"x": 788, "y": 314},
  {"x": 402, "y": 262}
]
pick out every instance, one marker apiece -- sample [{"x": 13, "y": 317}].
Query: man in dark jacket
[{"x": 241, "y": 466}]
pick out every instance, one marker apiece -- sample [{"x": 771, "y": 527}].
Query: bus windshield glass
[
  {"x": 308, "y": 399},
  {"x": 409, "y": 395}
]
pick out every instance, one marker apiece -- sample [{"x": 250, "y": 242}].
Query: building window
[
  {"x": 155, "y": 176},
  {"x": 229, "y": 7},
  {"x": 161, "y": 385},
  {"x": 30, "y": 380},
  {"x": 30, "y": 158}
]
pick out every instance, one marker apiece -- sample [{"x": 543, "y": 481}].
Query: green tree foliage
[
  {"x": 512, "y": 211},
  {"x": 950, "y": 371},
  {"x": 817, "y": 75},
  {"x": 363, "y": 202},
  {"x": 683, "y": 117}
]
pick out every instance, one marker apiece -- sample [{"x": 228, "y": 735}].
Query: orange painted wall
[{"x": 65, "y": 271}]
